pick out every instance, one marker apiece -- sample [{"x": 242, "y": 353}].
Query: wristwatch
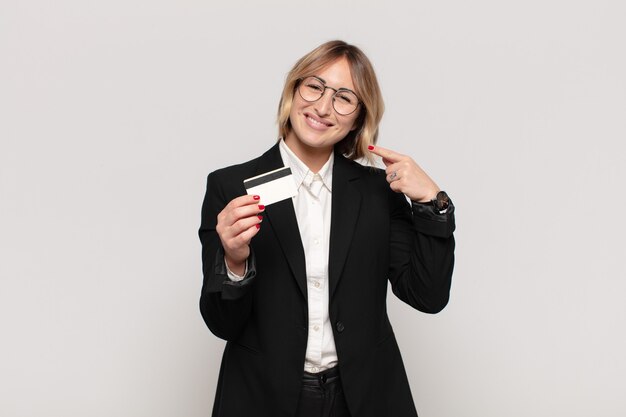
[{"x": 441, "y": 202}]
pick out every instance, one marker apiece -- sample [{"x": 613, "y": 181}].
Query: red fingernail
[
  {"x": 256, "y": 197},
  {"x": 260, "y": 217},
  {"x": 261, "y": 207},
  {"x": 258, "y": 225},
  {"x": 370, "y": 147}
]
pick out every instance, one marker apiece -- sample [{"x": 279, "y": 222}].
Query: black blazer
[{"x": 374, "y": 237}]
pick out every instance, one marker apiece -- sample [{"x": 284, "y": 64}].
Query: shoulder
[
  {"x": 269, "y": 160},
  {"x": 374, "y": 180},
  {"x": 237, "y": 170},
  {"x": 230, "y": 179},
  {"x": 364, "y": 172}
]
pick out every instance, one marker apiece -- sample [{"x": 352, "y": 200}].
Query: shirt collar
[{"x": 300, "y": 171}]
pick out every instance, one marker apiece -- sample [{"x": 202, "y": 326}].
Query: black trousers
[{"x": 322, "y": 395}]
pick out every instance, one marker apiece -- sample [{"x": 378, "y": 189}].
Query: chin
[
  {"x": 317, "y": 144},
  {"x": 315, "y": 140}
]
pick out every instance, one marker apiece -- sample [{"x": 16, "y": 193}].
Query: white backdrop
[{"x": 113, "y": 112}]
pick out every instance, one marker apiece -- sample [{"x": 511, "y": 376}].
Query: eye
[
  {"x": 314, "y": 87},
  {"x": 346, "y": 97}
]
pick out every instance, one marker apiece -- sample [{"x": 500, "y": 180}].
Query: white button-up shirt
[{"x": 312, "y": 206}]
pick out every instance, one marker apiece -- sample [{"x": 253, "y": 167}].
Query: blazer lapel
[
  {"x": 282, "y": 218},
  {"x": 346, "y": 203}
]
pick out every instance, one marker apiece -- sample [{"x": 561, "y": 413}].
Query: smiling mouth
[{"x": 317, "y": 122}]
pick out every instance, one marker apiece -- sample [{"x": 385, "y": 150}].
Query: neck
[{"x": 313, "y": 158}]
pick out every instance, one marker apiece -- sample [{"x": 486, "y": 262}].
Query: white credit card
[{"x": 273, "y": 186}]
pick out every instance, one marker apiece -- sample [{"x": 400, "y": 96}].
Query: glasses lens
[
  {"x": 311, "y": 89},
  {"x": 345, "y": 102}
]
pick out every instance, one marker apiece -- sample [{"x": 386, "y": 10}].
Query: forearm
[
  {"x": 430, "y": 273},
  {"x": 422, "y": 257},
  {"x": 225, "y": 304}
]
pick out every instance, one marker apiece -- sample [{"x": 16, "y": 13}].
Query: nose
[{"x": 324, "y": 105}]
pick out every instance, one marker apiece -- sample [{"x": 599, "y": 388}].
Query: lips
[{"x": 316, "y": 123}]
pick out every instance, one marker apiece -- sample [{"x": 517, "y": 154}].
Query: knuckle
[
  {"x": 236, "y": 227},
  {"x": 236, "y": 213},
  {"x": 241, "y": 225},
  {"x": 242, "y": 240}
]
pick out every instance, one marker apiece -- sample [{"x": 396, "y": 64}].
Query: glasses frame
[{"x": 336, "y": 91}]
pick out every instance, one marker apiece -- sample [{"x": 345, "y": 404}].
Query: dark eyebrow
[{"x": 321, "y": 79}]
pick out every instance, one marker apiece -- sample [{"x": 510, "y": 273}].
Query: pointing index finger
[{"x": 389, "y": 156}]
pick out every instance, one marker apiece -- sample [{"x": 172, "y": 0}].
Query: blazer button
[{"x": 340, "y": 327}]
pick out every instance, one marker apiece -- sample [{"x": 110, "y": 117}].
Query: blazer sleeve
[
  {"x": 225, "y": 304},
  {"x": 421, "y": 254}
]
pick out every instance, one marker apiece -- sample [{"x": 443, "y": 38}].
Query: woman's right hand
[{"x": 237, "y": 224}]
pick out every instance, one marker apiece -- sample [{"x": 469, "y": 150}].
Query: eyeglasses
[{"x": 345, "y": 102}]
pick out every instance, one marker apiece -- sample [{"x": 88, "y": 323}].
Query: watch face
[{"x": 442, "y": 200}]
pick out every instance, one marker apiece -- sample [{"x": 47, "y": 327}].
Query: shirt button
[
  {"x": 317, "y": 241},
  {"x": 316, "y": 327},
  {"x": 316, "y": 284}
]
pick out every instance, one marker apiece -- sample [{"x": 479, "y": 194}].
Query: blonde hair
[{"x": 354, "y": 145}]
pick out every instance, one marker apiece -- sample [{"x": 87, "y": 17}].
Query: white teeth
[{"x": 316, "y": 122}]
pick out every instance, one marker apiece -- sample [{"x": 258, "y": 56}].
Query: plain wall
[{"x": 112, "y": 113}]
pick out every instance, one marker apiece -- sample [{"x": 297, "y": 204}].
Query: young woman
[{"x": 298, "y": 288}]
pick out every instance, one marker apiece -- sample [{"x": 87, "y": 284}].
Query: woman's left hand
[{"x": 405, "y": 176}]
